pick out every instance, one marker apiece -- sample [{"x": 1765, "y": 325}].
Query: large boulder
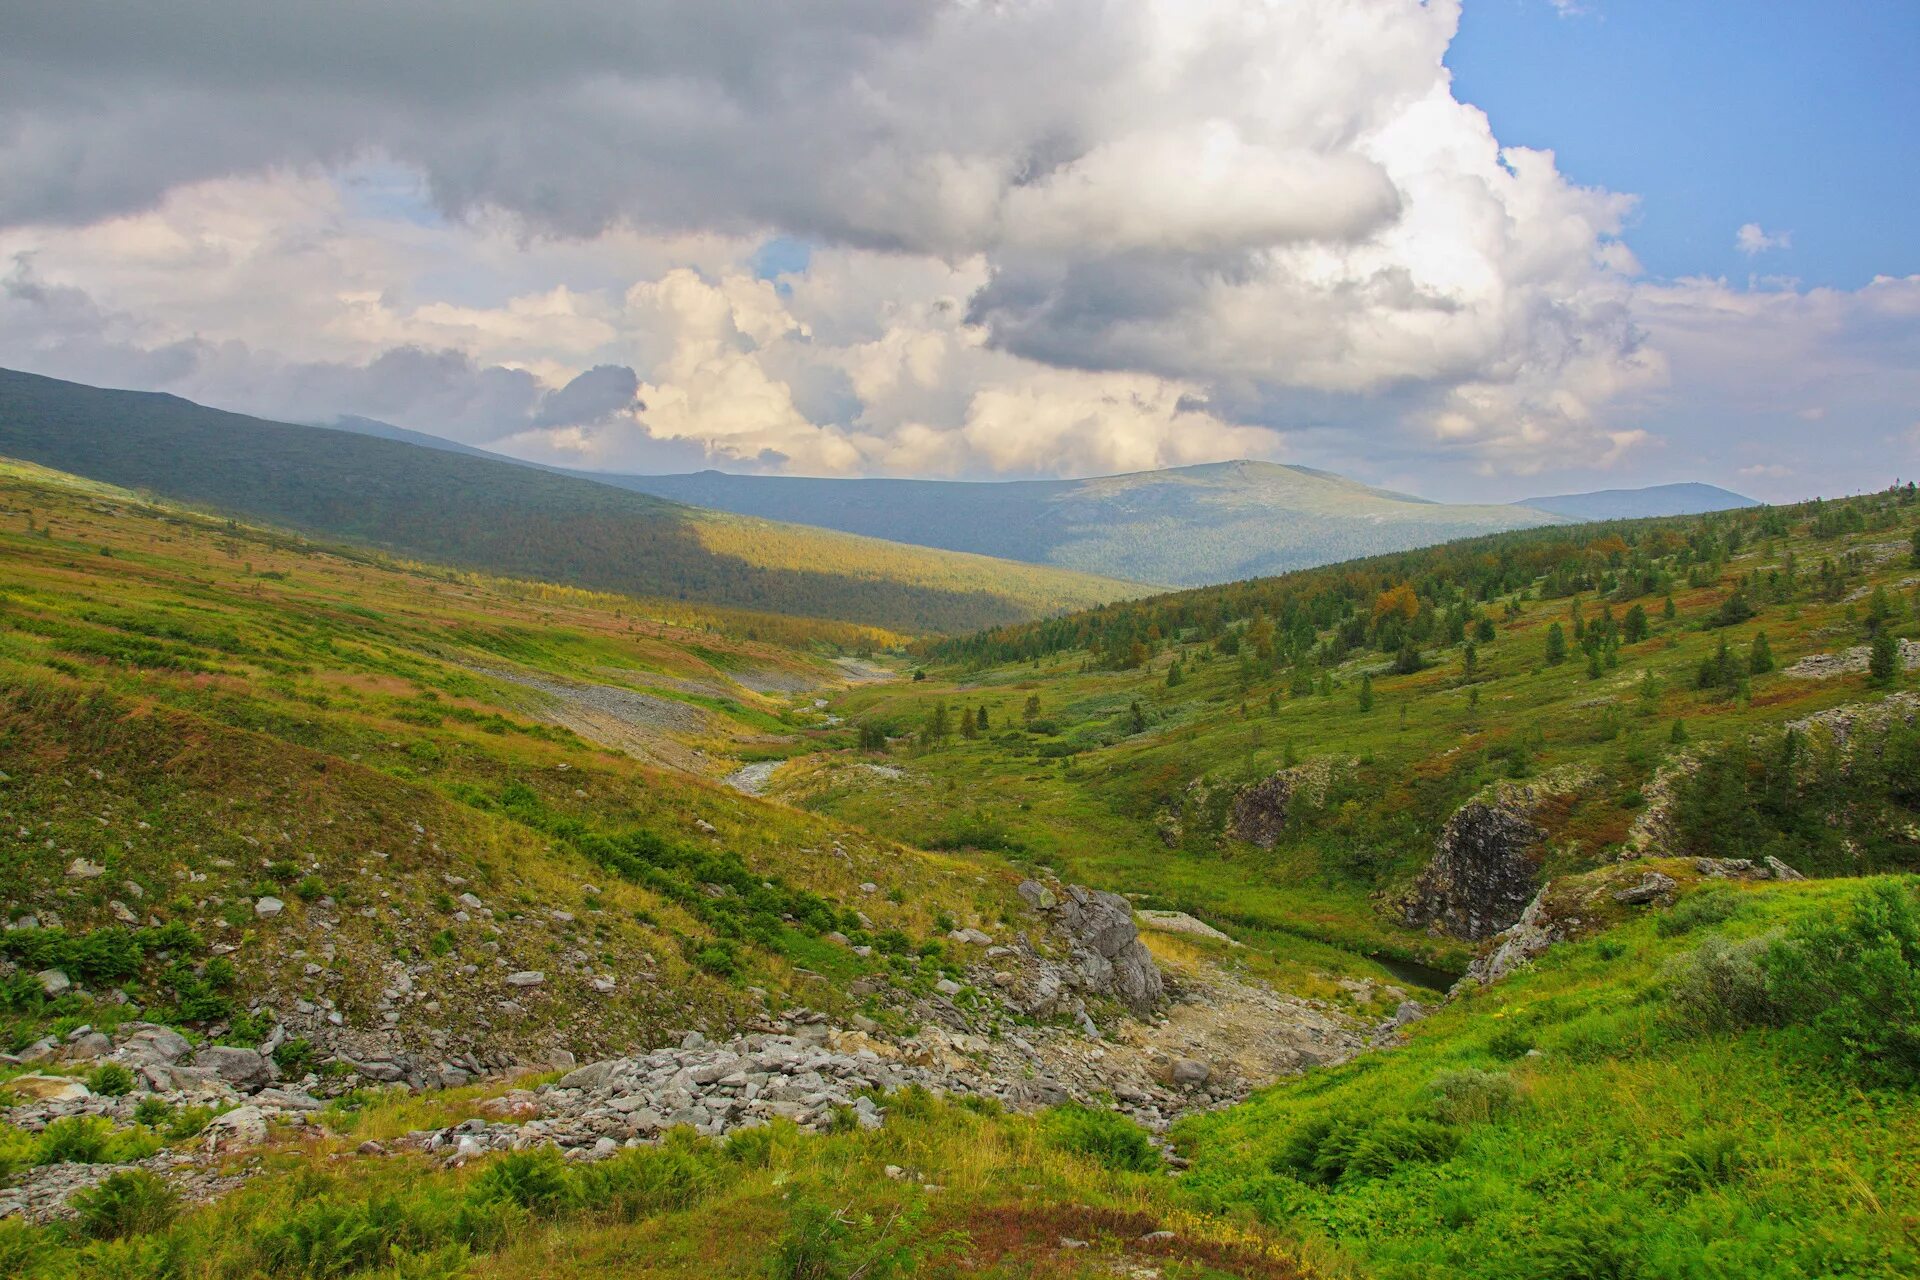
[
  {"x": 240, "y": 1127},
  {"x": 244, "y": 1069},
  {"x": 141, "y": 1044},
  {"x": 1105, "y": 954}
]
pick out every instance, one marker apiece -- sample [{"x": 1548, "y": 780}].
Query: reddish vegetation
[{"x": 1026, "y": 1241}]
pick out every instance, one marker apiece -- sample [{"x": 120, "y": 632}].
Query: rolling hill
[
  {"x": 1187, "y": 526},
  {"x": 485, "y": 513}
]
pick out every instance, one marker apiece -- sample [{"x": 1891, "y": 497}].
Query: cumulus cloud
[
  {"x": 1752, "y": 240},
  {"x": 1048, "y": 236}
]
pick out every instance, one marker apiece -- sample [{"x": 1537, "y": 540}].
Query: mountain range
[{"x": 1184, "y": 526}]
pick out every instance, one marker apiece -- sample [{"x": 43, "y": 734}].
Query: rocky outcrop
[
  {"x": 1105, "y": 957},
  {"x": 1575, "y": 906},
  {"x": 1825, "y": 666},
  {"x": 1486, "y": 864},
  {"x": 1259, "y": 813},
  {"x": 1482, "y": 873}
]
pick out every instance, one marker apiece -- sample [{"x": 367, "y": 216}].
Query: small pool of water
[{"x": 1417, "y": 974}]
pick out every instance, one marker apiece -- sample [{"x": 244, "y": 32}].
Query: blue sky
[{"x": 1796, "y": 115}]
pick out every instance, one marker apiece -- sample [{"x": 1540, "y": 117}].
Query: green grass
[{"x": 1575, "y": 1122}]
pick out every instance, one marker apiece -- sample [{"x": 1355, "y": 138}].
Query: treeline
[{"x": 1441, "y": 594}]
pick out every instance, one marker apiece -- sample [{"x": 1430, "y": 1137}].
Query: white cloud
[
  {"x": 1752, "y": 240},
  {"x": 1770, "y": 470},
  {"x": 1057, "y": 236}
]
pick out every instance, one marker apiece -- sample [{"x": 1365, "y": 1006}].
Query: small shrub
[
  {"x": 1720, "y": 985},
  {"x": 1707, "y": 907},
  {"x": 1698, "y": 1162},
  {"x": 534, "y": 1180},
  {"x": 1472, "y": 1096},
  {"x": 75, "y": 1140},
  {"x": 1509, "y": 1042},
  {"x": 646, "y": 1180},
  {"x": 188, "y": 1123},
  {"x": 1331, "y": 1149},
  {"x": 296, "y": 1057},
  {"x": 152, "y": 1110},
  {"x": 1105, "y": 1137},
  {"x": 21, "y": 1247},
  {"x": 823, "y": 1243},
  {"x": 1856, "y": 981},
  {"x": 111, "y": 1080},
  {"x": 131, "y": 1202}
]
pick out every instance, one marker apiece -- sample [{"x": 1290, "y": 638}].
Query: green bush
[
  {"x": 1330, "y": 1149},
  {"x": 322, "y": 1237},
  {"x": 824, "y": 1243},
  {"x": 1472, "y": 1096},
  {"x": 535, "y": 1180},
  {"x": 111, "y": 1080},
  {"x": 678, "y": 1174},
  {"x": 1720, "y": 985},
  {"x": 1706, "y": 907},
  {"x": 152, "y": 1110},
  {"x": 75, "y": 1140},
  {"x": 1856, "y": 982},
  {"x": 131, "y": 1202},
  {"x": 1105, "y": 1137}
]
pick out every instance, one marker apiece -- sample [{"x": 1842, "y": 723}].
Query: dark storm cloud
[{"x": 593, "y": 396}]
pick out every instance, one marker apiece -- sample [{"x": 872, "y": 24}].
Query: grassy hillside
[
  {"x": 1188, "y": 525},
  {"x": 1723, "y": 1087},
  {"x": 1716, "y": 1082},
  {"x": 480, "y": 513},
  {"x": 212, "y": 713},
  {"x": 1126, "y": 770}
]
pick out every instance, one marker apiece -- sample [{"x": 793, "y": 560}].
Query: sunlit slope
[
  {"x": 188, "y": 700},
  {"x": 477, "y": 512}
]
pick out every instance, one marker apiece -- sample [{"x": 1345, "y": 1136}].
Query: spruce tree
[
  {"x": 1556, "y": 645},
  {"x": 1760, "y": 657},
  {"x": 1366, "y": 692},
  {"x": 1883, "y": 658}
]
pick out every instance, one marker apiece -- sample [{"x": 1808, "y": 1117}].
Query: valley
[{"x": 424, "y": 869}]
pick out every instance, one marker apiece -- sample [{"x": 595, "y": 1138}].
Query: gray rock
[
  {"x": 54, "y": 982},
  {"x": 1107, "y": 956},
  {"x": 1189, "y": 1073},
  {"x": 269, "y": 907},
  {"x": 526, "y": 978},
  {"x": 591, "y": 1076},
  {"x": 240, "y": 1127},
  {"x": 143, "y": 1043},
  {"x": 1652, "y": 887},
  {"x": 244, "y": 1069},
  {"x": 1781, "y": 871},
  {"x": 82, "y": 869}
]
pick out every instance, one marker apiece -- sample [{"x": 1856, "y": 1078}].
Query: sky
[{"x": 1473, "y": 249}]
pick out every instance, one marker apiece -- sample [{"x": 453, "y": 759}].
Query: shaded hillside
[
  {"x": 482, "y": 513},
  {"x": 1183, "y": 527},
  {"x": 1634, "y": 504}
]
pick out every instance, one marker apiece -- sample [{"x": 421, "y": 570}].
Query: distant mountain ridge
[
  {"x": 1632, "y": 504},
  {"x": 1185, "y": 526},
  {"x": 1179, "y": 527},
  {"x": 470, "y": 509}
]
